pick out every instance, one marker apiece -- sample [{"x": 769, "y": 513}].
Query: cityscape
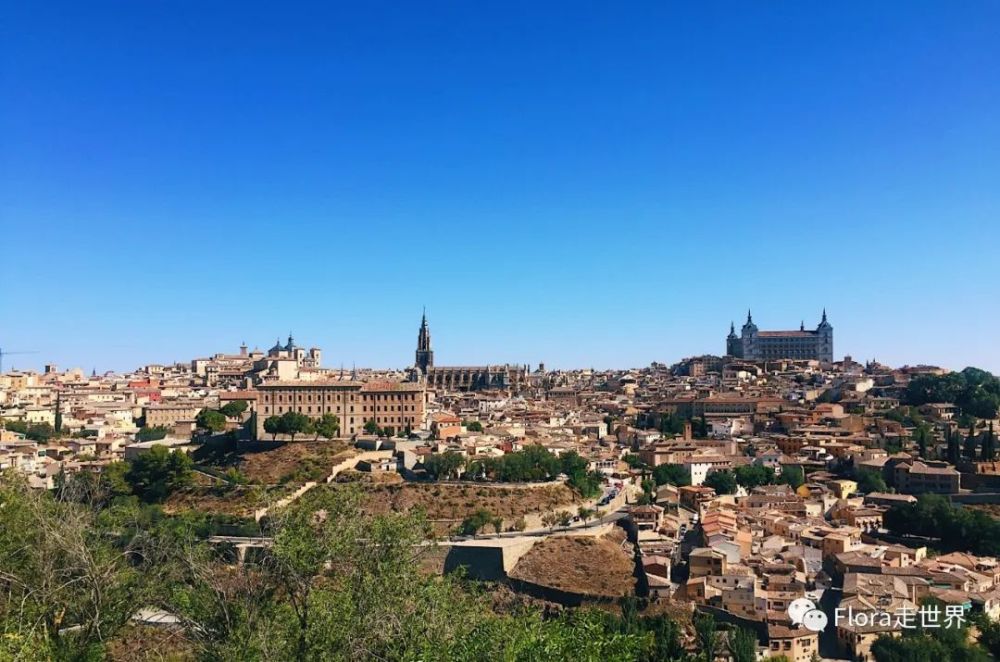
[
  {"x": 517, "y": 331},
  {"x": 720, "y": 493}
]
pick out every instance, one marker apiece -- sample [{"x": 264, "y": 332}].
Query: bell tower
[
  {"x": 734, "y": 346},
  {"x": 825, "y": 344},
  {"x": 748, "y": 338},
  {"x": 425, "y": 355}
]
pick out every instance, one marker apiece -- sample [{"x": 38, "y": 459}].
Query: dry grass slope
[{"x": 597, "y": 567}]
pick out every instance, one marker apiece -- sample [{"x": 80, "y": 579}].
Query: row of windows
[
  {"x": 308, "y": 410},
  {"x": 390, "y": 396},
  {"x": 330, "y": 410},
  {"x": 397, "y": 397}
]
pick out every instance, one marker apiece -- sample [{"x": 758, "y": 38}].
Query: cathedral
[
  {"x": 462, "y": 378},
  {"x": 755, "y": 345}
]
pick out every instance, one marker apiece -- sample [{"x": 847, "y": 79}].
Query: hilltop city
[{"x": 697, "y": 506}]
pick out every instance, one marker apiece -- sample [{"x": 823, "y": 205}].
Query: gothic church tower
[{"x": 425, "y": 355}]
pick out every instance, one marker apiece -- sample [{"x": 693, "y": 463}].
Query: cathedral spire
[
  {"x": 749, "y": 317},
  {"x": 424, "y": 358},
  {"x": 824, "y": 313}
]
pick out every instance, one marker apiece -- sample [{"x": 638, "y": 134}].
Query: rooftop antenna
[{"x": 3, "y": 354}]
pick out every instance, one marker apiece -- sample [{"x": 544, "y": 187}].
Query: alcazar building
[{"x": 805, "y": 344}]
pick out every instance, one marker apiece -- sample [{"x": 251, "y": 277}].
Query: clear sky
[{"x": 585, "y": 184}]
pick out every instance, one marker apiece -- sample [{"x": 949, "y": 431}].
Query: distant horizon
[
  {"x": 569, "y": 183},
  {"x": 12, "y": 363}
]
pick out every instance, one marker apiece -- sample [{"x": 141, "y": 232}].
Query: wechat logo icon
[{"x": 803, "y": 612}]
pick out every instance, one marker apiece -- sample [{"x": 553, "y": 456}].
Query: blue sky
[{"x": 585, "y": 184}]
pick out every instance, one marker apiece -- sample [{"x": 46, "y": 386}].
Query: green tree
[
  {"x": 722, "y": 481},
  {"x": 792, "y": 475},
  {"x": 705, "y": 633},
  {"x": 444, "y": 465},
  {"x": 293, "y": 423},
  {"x": 672, "y": 474},
  {"x": 586, "y": 483},
  {"x": 474, "y": 426},
  {"x": 971, "y": 443},
  {"x": 549, "y": 520},
  {"x": 158, "y": 472},
  {"x": 989, "y": 445},
  {"x": 475, "y": 522},
  {"x": 114, "y": 480},
  {"x": 337, "y": 583},
  {"x": 40, "y": 432},
  {"x": 633, "y": 461},
  {"x": 534, "y": 463},
  {"x": 154, "y": 433},
  {"x": 20, "y": 427},
  {"x": 922, "y": 436},
  {"x": 754, "y": 475},
  {"x": 954, "y": 446},
  {"x": 371, "y": 427},
  {"x": 211, "y": 420},
  {"x": 975, "y": 391},
  {"x": 328, "y": 426},
  {"x": 955, "y": 529},
  {"x": 869, "y": 480},
  {"x": 742, "y": 645},
  {"x": 69, "y": 585},
  {"x": 234, "y": 408},
  {"x": 274, "y": 425},
  {"x": 989, "y": 636}
]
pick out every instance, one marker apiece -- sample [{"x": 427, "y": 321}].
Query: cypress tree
[
  {"x": 970, "y": 444},
  {"x": 58, "y": 425},
  {"x": 954, "y": 450},
  {"x": 989, "y": 445}
]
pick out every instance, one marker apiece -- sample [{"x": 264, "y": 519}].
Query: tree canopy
[
  {"x": 340, "y": 586},
  {"x": 328, "y": 426},
  {"x": 956, "y": 529},
  {"x": 155, "y": 474},
  {"x": 154, "y": 433},
  {"x": 234, "y": 409},
  {"x": 673, "y": 474},
  {"x": 869, "y": 480},
  {"x": 975, "y": 391},
  {"x": 723, "y": 482},
  {"x": 211, "y": 420},
  {"x": 754, "y": 475},
  {"x": 291, "y": 423}
]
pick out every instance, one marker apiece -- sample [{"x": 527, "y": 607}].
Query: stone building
[
  {"x": 394, "y": 406},
  {"x": 168, "y": 414},
  {"x": 802, "y": 345},
  {"x": 462, "y": 378}
]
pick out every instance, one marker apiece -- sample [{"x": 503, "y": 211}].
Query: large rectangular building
[
  {"x": 801, "y": 345},
  {"x": 394, "y": 406}
]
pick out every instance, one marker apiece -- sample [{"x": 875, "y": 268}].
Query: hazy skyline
[{"x": 574, "y": 183}]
